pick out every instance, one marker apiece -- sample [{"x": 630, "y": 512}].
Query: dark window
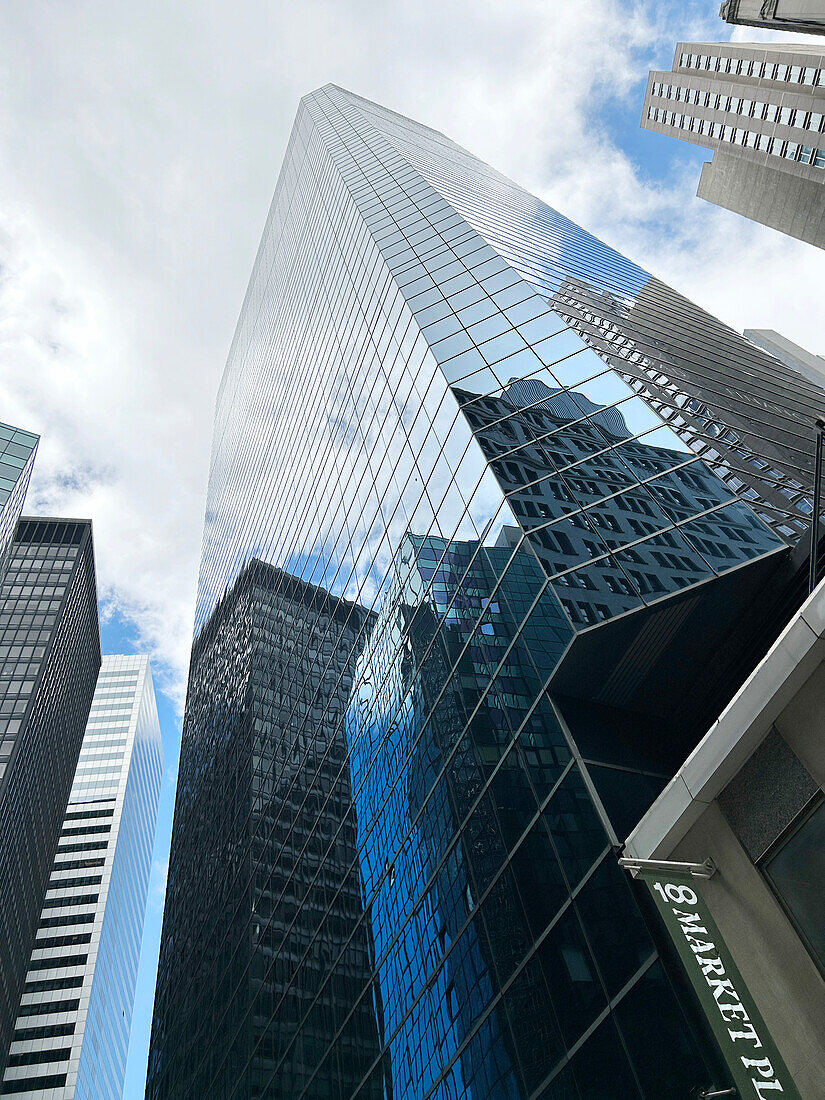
[
  {"x": 32, "y": 1084},
  {"x": 36, "y": 1057},
  {"x": 682, "y": 1072},
  {"x": 614, "y": 925},
  {"x": 576, "y": 993},
  {"x": 797, "y": 873},
  {"x": 601, "y": 1067}
]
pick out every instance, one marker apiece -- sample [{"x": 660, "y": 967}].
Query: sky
[{"x": 139, "y": 149}]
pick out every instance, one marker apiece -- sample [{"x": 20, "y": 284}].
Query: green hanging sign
[{"x": 756, "y": 1065}]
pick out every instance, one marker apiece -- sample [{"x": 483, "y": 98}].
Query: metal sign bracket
[{"x": 706, "y": 869}]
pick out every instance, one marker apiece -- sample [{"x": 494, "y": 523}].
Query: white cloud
[{"x": 140, "y": 146}]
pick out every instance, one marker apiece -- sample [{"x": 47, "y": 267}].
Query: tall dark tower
[
  {"x": 528, "y": 513},
  {"x": 265, "y": 890},
  {"x": 50, "y": 656}
]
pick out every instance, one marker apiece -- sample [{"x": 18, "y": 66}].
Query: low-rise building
[{"x": 750, "y": 799}]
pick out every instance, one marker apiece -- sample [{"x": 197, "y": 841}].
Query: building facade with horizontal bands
[
  {"x": 494, "y": 520},
  {"x": 17, "y": 453},
  {"x": 71, "y": 1035},
  {"x": 760, "y": 108},
  {"x": 807, "y": 364}
]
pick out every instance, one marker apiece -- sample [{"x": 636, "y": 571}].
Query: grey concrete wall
[
  {"x": 802, "y": 724},
  {"x": 786, "y": 202},
  {"x": 781, "y": 976}
]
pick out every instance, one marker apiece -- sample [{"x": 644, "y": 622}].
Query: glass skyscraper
[
  {"x": 49, "y": 660},
  {"x": 488, "y": 508},
  {"x": 71, "y": 1036}
]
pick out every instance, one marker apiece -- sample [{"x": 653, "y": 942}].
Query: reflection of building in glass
[
  {"x": 444, "y": 793},
  {"x": 264, "y": 891},
  {"x": 584, "y": 490},
  {"x": 50, "y": 653},
  {"x": 810, "y": 366},
  {"x": 801, "y": 16},
  {"x": 550, "y": 586},
  {"x": 72, "y": 1030},
  {"x": 759, "y": 106},
  {"x": 749, "y": 419},
  {"x": 735, "y": 387},
  {"x": 17, "y": 451}
]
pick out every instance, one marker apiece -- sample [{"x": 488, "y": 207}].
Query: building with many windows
[
  {"x": 512, "y": 441},
  {"x": 17, "y": 451},
  {"x": 50, "y": 654},
  {"x": 71, "y": 1034},
  {"x": 249, "y": 836},
  {"x": 800, "y": 16},
  {"x": 760, "y": 108},
  {"x": 495, "y": 521}
]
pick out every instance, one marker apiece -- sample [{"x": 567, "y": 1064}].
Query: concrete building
[
  {"x": 760, "y": 108},
  {"x": 792, "y": 355},
  {"x": 801, "y": 16},
  {"x": 750, "y": 798},
  {"x": 71, "y": 1035}
]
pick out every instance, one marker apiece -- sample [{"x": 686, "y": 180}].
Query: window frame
[{"x": 798, "y": 822}]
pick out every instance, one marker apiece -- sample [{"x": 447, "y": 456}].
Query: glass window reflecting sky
[{"x": 455, "y": 434}]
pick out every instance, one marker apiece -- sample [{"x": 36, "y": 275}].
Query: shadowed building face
[{"x": 50, "y": 652}]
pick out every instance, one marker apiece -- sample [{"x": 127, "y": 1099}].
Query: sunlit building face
[{"x": 482, "y": 493}]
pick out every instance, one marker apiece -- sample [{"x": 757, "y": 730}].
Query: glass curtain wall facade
[
  {"x": 263, "y": 802},
  {"x": 71, "y": 1037},
  {"x": 458, "y": 417},
  {"x": 50, "y": 653},
  {"x": 17, "y": 451}
]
